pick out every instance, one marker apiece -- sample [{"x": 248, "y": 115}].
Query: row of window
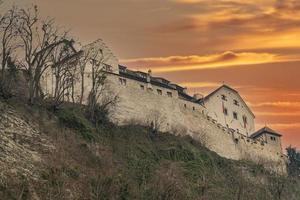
[
  {"x": 185, "y": 106},
  {"x": 273, "y": 138},
  {"x": 235, "y": 102},
  {"x": 236, "y": 116},
  {"x": 123, "y": 81},
  {"x": 159, "y": 91}
]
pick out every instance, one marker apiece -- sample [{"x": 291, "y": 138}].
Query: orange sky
[{"x": 252, "y": 46}]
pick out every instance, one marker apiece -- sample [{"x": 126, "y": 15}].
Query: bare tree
[
  {"x": 39, "y": 39},
  {"x": 156, "y": 121},
  {"x": 95, "y": 59},
  {"x": 98, "y": 78},
  {"x": 64, "y": 70},
  {"x": 84, "y": 60},
  {"x": 8, "y": 45}
]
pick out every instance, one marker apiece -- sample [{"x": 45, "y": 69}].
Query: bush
[
  {"x": 178, "y": 153},
  {"x": 73, "y": 118}
]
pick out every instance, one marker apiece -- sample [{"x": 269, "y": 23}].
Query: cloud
[
  {"x": 279, "y": 114},
  {"x": 281, "y": 126},
  {"x": 277, "y": 104},
  {"x": 194, "y": 62},
  {"x": 200, "y": 84},
  {"x": 240, "y": 24}
]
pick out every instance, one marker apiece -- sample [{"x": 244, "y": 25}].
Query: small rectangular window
[
  {"x": 273, "y": 138},
  {"x": 245, "y": 120},
  {"x": 235, "y": 115},
  {"x": 224, "y": 97},
  {"x": 169, "y": 94},
  {"x": 122, "y": 81},
  {"x": 225, "y": 111},
  {"x": 142, "y": 87},
  {"x": 235, "y": 102},
  {"x": 159, "y": 91},
  {"x": 194, "y": 108},
  {"x": 108, "y": 68}
]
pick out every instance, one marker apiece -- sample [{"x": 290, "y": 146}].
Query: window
[
  {"x": 108, "y": 68},
  {"x": 122, "y": 81},
  {"x": 235, "y": 102},
  {"x": 273, "y": 138},
  {"x": 159, "y": 91},
  {"x": 235, "y": 115},
  {"x": 194, "y": 108},
  {"x": 184, "y": 105},
  {"x": 142, "y": 87},
  {"x": 225, "y": 111},
  {"x": 169, "y": 94},
  {"x": 224, "y": 97},
  {"x": 245, "y": 120}
]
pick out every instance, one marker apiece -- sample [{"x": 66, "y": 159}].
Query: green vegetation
[
  {"x": 72, "y": 117},
  {"x": 128, "y": 162},
  {"x": 294, "y": 161}
]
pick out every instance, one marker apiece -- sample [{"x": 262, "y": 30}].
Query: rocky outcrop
[{"x": 21, "y": 143}]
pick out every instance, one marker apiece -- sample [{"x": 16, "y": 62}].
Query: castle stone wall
[
  {"x": 215, "y": 105},
  {"x": 143, "y": 106},
  {"x": 141, "y": 103}
]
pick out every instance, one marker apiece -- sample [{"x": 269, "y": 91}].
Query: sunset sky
[{"x": 253, "y": 47}]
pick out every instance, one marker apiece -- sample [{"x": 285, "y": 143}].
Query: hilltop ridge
[{"x": 62, "y": 155}]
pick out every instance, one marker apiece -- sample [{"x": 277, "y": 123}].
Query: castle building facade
[
  {"x": 228, "y": 108},
  {"x": 221, "y": 121}
]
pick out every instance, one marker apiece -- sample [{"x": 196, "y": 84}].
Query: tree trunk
[{"x": 82, "y": 88}]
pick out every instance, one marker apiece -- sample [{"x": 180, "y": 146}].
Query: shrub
[{"x": 73, "y": 118}]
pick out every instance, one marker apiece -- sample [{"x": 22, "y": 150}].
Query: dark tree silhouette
[
  {"x": 39, "y": 39},
  {"x": 8, "y": 46},
  {"x": 293, "y": 161}
]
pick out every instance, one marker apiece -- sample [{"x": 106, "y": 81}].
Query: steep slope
[
  {"x": 21, "y": 141},
  {"x": 61, "y": 155}
]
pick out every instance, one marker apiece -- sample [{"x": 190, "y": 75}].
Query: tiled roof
[
  {"x": 264, "y": 130},
  {"x": 158, "y": 81},
  {"x": 142, "y": 77}
]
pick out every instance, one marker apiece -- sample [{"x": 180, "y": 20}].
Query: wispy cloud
[
  {"x": 200, "y": 84},
  {"x": 281, "y": 126},
  {"x": 277, "y": 104},
  {"x": 279, "y": 114},
  {"x": 195, "y": 62},
  {"x": 243, "y": 24}
]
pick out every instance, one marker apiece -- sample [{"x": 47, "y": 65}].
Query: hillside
[{"x": 61, "y": 155}]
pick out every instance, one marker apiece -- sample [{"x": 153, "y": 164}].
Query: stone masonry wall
[{"x": 143, "y": 106}]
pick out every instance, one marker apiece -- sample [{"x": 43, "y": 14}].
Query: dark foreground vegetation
[{"x": 134, "y": 162}]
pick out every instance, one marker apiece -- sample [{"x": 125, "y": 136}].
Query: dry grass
[{"x": 130, "y": 163}]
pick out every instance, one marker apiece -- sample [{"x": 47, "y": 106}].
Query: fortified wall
[
  {"x": 154, "y": 101},
  {"x": 140, "y": 103}
]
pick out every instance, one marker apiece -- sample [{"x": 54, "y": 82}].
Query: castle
[{"x": 221, "y": 121}]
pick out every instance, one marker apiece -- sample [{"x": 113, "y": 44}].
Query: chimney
[
  {"x": 198, "y": 96},
  {"x": 149, "y": 76}
]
